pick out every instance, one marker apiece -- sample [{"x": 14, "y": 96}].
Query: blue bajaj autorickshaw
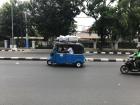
[{"x": 61, "y": 55}]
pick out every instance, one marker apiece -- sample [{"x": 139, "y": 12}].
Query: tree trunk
[
  {"x": 95, "y": 44},
  {"x": 102, "y": 42},
  {"x": 116, "y": 45},
  {"x": 112, "y": 45}
]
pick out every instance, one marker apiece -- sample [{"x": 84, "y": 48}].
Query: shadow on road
[{"x": 66, "y": 66}]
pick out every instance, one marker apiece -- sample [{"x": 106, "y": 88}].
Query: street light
[
  {"x": 27, "y": 39},
  {"x": 12, "y": 24}
]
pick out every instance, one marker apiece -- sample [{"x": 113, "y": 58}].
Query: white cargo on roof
[{"x": 67, "y": 38}]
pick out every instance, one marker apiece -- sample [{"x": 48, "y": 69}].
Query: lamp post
[
  {"x": 27, "y": 39},
  {"x": 12, "y": 24}
]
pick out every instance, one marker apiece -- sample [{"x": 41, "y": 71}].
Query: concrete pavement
[
  {"x": 42, "y": 55},
  {"x": 45, "y": 58},
  {"x": 87, "y": 52}
]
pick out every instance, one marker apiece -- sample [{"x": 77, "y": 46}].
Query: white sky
[
  {"x": 82, "y": 21},
  {"x": 2, "y": 1}
]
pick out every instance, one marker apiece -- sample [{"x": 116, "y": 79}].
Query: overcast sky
[
  {"x": 2, "y": 1},
  {"x": 83, "y": 22}
]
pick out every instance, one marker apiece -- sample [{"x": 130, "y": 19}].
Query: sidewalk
[
  {"x": 45, "y": 59},
  {"x": 93, "y": 58},
  {"x": 127, "y": 52}
]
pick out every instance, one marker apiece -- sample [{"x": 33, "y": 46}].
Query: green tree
[
  {"x": 19, "y": 23},
  {"x": 5, "y": 21},
  {"x": 101, "y": 11},
  {"x": 131, "y": 10},
  {"x": 120, "y": 21},
  {"x": 54, "y": 17}
]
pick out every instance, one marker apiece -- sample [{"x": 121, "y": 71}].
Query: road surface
[{"x": 35, "y": 83}]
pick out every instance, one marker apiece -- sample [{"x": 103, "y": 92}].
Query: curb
[
  {"x": 12, "y": 50},
  {"x": 24, "y": 58},
  {"x": 111, "y": 53},
  {"x": 45, "y": 58},
  {"x": 87, "y": 52},
  {"x": 105, "y": 60}
]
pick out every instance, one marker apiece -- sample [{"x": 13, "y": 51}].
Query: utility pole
[
  {"x": 12, "y": 24},
  {"x": 27, "y": 39}
]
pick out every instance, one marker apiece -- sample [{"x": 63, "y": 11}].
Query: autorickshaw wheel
[
  {"x": 79, "y": 64},
  {"x": 49, "y": 62}
]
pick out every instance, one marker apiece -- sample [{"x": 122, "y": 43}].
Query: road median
[
  {"x": 105, "y": 60},
  {"x": 47, "y": 51},
  {"x": 45, "y": 58}
]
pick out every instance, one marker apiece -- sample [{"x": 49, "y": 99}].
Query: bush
[
  {"x": 127, "y": 45},
  {"x": 44, "y": 47}
]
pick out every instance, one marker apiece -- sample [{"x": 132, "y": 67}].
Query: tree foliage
[
  {"x": 103, "y": 13},
  {"x": 130, "y": 10},
  {"x": 50, "y": 18},
  {"x": 5, "y": 21},
  {"x": 115, "y": 22},
  {"x": 54, "y": 17},
  {"x": 19, "y": 21}
]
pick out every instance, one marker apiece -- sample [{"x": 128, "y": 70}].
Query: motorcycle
[{"x": 129, "y": 66}]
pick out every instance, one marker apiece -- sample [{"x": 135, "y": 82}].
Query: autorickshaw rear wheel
[{"x": 79, "y": 64}]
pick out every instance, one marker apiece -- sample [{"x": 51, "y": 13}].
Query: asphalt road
[{"x": 34, "y": 83}]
